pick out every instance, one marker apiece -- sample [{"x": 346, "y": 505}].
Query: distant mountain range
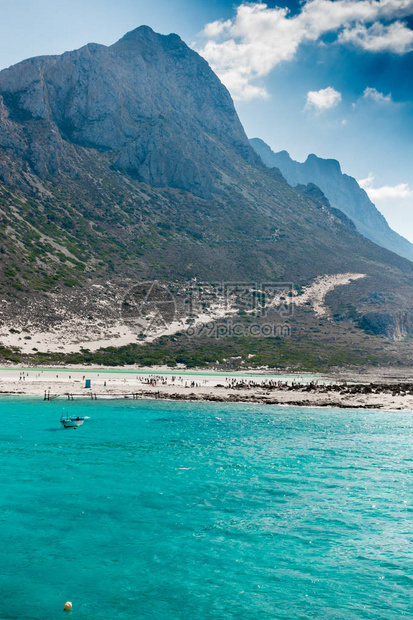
[
  {"x": 342, "y": 192},
  {"x": 128, "y": 163}
]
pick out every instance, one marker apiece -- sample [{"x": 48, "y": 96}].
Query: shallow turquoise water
[{"x": 195, "y": 511}]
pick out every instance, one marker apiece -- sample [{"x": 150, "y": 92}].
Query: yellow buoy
[{"x": 67, "y": 606}]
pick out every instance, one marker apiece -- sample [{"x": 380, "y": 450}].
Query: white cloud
[
  {"x": 377, "y": 96},
  {"x": 396, "y": 37},
  {"x": 246, "y": 48},
  {"x": 322, "y": 99},
  {"x": 376, "y": 194},
  {"x": 216, "y": 29}
]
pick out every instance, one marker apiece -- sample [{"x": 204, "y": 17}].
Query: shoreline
[
  {"x": 400, "y": 404},
  {"x": 349, "y": 374},
  {"x": 295, "y": 390}
]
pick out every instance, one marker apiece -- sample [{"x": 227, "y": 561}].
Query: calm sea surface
[{"x": 195, "y": 511}]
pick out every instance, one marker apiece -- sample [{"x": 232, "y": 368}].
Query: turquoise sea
[{"x": 202, "y": 511}]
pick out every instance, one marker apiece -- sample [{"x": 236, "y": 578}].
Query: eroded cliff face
[
  {"x": 395, "y": 326},
  {"x": 148, "y": 100}
]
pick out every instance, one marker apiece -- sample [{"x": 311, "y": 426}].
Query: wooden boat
[{"x": 69, "y": 421}]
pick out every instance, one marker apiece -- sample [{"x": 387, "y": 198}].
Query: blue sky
[{"x": 331, "y": 77}]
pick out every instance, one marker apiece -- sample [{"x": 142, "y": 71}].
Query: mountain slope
[
  {"x": 341, "y": 190},
  {"x": 135, "y": 99},
  {"x": 128, "y": 163}
]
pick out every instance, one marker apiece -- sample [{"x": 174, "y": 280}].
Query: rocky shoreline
[{"x": 370, "y": 395}]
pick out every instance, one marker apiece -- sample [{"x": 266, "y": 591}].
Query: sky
[{"x": 330, "y": 77}]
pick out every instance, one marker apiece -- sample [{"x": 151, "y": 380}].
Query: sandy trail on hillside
[
  {"x": 315, "y": 293},
  {"x": 72, "y": 335}
]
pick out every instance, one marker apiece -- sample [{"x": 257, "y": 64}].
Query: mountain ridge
[{"x": 342, "y": 191}]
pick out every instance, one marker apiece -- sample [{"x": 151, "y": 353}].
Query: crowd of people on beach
[
  {"x": 25, "y": 375},
  {"x": 211, "y": 383},
  {"x": 155, "y": 380},
  {"x": 212, "y": 387},
  {"x": 272, "y": 384},
  {"x": 266, "y": 383},
  {"x": 235, "y": 383}
]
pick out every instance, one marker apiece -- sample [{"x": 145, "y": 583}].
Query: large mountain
[
  {"x": 148, "y": 100},
  {"x": 128, "y": 163},
  {"x": 342, "y": 191}
]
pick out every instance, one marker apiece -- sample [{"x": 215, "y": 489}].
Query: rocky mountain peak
[
  {"x": 145, "y": 34},
  {"x": 140, "y": 33},
  {"x": 149, "y": 101},
  {"x": 329, "y": 166}
]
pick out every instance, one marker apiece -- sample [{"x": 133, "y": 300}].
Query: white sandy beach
[{"x": 181, "y": 385}]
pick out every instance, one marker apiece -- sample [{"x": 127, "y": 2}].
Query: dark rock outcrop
[
  {"x": 395, "y": 325},
  {"x": 316, "y": 195}
]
